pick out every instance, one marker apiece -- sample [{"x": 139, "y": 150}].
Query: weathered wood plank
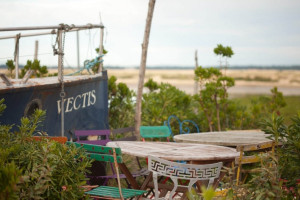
[{"x": 225, "y": 138}]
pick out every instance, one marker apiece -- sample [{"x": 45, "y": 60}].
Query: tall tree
[
  {"x": 223, "y": 52},
  {"x": 138, "y": 112}
]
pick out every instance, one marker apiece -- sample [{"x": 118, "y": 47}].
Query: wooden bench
[
  {"x": 261, "y": 148},
  {"x": 111, "y": 155}
]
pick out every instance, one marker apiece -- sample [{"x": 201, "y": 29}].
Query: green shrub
[
  {"x": 289, "y": 153},
  {"x": 164, "y": 100},
  {"x": 121, "y": 105},
  {"x": 43, "y": 169}
]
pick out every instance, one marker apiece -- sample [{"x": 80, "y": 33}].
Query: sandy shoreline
[{"x": 247, "y": 81}]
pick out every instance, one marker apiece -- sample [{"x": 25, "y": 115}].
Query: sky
[{"x": 260, "y": 32}]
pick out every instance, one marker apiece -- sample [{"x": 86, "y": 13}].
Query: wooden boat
[{"x": 71, "y": 102}]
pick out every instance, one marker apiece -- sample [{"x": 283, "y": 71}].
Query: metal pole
[
  {"x": 36, "y": 50},
  {"x": 101, "y": 48},
  {"x": 51, "y": 27},
  {"x": 60, "y": 78},
  {"x": 29, "y": 35},
  {"x": 17, "y": 56},
  {"x": 78, "y": 55},
  {"x": 59, "y": 54}
]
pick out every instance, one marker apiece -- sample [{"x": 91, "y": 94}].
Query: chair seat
[{"x": 113, "y": 192}]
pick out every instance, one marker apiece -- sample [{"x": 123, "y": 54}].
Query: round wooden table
[
  {"x": 200, "y": 153},
  {"x": 192, "y": 153},
  {"x": 225, "y": 138}
]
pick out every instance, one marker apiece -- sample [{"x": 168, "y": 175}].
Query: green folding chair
[{"x": 113, "y": 155}]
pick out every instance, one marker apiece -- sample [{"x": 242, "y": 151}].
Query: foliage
[
  {"x": 207, "y": 194},
  {"x": 289, "y": 153},
  {"x": 263, "y": 106},
  {"x": 223, "y": 52},
  {"x": 38, "y": 70},
  {"x": 9, "y": 177},
  {"x": 164, "y": 100},
  {"x": 96, "y": 67},
  {"x": 39, "y": 169},
  {"x": 151, "y": 85},
  {"x": 121, "y": 105},
  {"x": 10, "y": 66},
  {"x": 213, "y": 97},
  {"x": 266, "y": 184},
  {"x": 278, "y": 175}
]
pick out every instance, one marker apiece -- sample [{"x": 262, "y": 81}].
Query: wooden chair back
[
  {"x": 99, "y": 152},
  {"x": 179, "y": 171},
  {"x": 126, "y": 134},
  {"x": 123, "y": 134},
  {"x": 151, "y": 132},
  {"x": 256, "y": 149},
  {"x": 101, "y": 137}
]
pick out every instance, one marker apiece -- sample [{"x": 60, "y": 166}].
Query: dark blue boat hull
[{"x": 86, "y": 105}]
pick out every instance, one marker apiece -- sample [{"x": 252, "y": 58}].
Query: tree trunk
[
  {"x": 218, "y": 112},
  {"x": 208, "y": 117},
  {"x": 196, "y": 65},
  {"x": 138, "y": 112}
]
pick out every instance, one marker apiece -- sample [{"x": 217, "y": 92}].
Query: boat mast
[
  {"x": 16, "y": 56},
  {"x": 36, "y": 49},
  {"x": 61, "y": 77},
  {"x": 78, "y": 55},
  {"x": 101, "y": 47}
]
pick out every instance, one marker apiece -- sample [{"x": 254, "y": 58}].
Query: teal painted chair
[
  {"x": 111, "y": 155},
  {"x": 152, "y": 132},
  {"x": 185, "y": 126}
]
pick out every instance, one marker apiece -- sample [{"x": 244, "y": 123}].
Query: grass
[{"x": 290, "y": 110}]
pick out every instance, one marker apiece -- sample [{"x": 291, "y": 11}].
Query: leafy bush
[
  {"x": 164, "y": 100},
  {"x": 10, "y": 66},
  {"x": 39, "y": 169},
  {"x": 121, "y": 105},
  {"x": 213, "y": 96},
  {"x": 289, "y": 153},
  {"x": 278, "y": 175},
  {"x": 34, "y": 65}
]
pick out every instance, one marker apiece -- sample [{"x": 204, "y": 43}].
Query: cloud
[{"x": 178, "y": 28}]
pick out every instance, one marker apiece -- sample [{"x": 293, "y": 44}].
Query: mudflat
[{"x": 247, "y": 81}]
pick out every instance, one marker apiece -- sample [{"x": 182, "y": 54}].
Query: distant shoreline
[
  {"x": 247, "y": 81},
  {"x": 235, "y": 67}
]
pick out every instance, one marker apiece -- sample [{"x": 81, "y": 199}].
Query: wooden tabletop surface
[
  {"x": 176, "y": 151},
  {"x": 225, "y": 138}
]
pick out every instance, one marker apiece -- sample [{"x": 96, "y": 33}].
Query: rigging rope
[{"x": 88, "y": 65}]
